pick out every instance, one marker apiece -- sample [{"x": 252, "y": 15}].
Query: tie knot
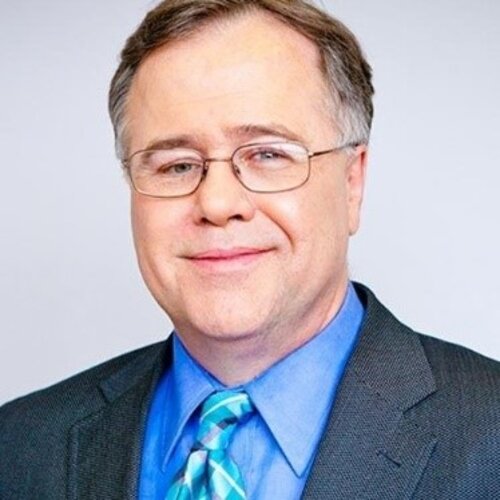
[{"x": 220, "y": 414}]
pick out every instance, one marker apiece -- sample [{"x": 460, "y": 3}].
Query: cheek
[
  {"x": 145, "y": 222},
  {"x": 311, "y": 219},
  {"x": 156, "y": 233},
  {"x": 324, "y": 221}
]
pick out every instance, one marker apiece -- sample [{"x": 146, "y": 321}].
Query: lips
[
  {"x": 218, "y": 262},
  {"x": 220, "y": 254}
]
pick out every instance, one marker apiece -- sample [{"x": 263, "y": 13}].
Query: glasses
[{"x": 261, "y": 168}]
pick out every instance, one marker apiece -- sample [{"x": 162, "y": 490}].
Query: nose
[{"x": 221, "y": 198}]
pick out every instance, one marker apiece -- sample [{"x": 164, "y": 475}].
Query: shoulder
[
  {"x": 458, "y": 403},
  {"x": 455, "y": 388},
  {"x": 46, "y": 414},
  {"x": 461, "y": 368},
  {"x": 453, "y": 367},
  {"x": 35, "y": 430},
  {"x": 464, "y": 415},
  {"x": 467, "y": 396}
]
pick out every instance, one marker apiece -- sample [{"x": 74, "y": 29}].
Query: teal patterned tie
[{"x": 210, "y": 473}]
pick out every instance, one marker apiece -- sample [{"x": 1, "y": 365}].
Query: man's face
[{"x": 225, "y": 263}]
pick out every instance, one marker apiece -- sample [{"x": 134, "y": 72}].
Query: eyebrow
[
  {"x": 251, "y": 131},
  {"x": 246, "y": 132},
  {"x": 178, "y": 141}
]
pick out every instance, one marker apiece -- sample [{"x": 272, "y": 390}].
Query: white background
[{"x": 70, "y": 292}]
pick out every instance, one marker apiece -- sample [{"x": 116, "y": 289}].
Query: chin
[
  {"x": 227, "y": 327},
  {"x": 221, "y": 312},
  {"x": 232, "y": 328}
]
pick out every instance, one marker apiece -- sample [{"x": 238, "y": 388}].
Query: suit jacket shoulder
[
  {"x": 36, "y": 430},
  {"x": 415, "y": 417},
  {"x": 466, "y": 409}
]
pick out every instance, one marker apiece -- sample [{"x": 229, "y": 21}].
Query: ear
[{"x": 355, "y": 183}]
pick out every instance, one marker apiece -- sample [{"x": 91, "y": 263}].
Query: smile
[{"x": 228, "y": 259}]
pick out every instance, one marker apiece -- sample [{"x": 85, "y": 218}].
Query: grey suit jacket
[{"x": 415, "y": 417}]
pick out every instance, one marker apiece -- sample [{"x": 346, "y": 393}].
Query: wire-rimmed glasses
[{"x": 261, "y": 168}]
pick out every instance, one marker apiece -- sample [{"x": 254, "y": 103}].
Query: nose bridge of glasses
[
  {"x": 219, "y": 180},
  {"x": 230, "y": 160}
]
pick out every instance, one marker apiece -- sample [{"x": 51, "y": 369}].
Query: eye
[
  {"x": 268, "y": 157},
  {"x": 178, "y": 169},
  {"x": 268, "y": 154}
]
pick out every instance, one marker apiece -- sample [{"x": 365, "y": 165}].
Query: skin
[{"x": 246, "y": 278}]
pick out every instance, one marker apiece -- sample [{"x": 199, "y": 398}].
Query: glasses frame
[{"x": 206, "y": 163}]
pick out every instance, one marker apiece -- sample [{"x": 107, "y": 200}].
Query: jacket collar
[{"x": 371, "y": 447}]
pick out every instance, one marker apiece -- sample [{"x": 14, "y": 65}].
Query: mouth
[{"x": 232, "y": 258}]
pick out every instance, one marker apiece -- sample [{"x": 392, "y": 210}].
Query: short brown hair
[{"x": 346, "y": 71}]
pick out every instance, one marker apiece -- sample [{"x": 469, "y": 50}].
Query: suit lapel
[
  {"x": 105, "y": 447},
  {"x": 372, "y": 447}
]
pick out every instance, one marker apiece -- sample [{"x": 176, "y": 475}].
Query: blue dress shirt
[{"x": 274, "y": 449}]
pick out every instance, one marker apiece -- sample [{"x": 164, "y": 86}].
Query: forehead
[{"x": 249, "y": 69}]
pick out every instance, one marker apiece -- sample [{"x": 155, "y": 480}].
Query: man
[{"x": 243, "y": 128}]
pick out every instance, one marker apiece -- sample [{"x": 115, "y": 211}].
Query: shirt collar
[
  {"x": 295, "y": 414},
  {"x": 294, "y": 396},
  {"x": 191, "y": 385}
]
